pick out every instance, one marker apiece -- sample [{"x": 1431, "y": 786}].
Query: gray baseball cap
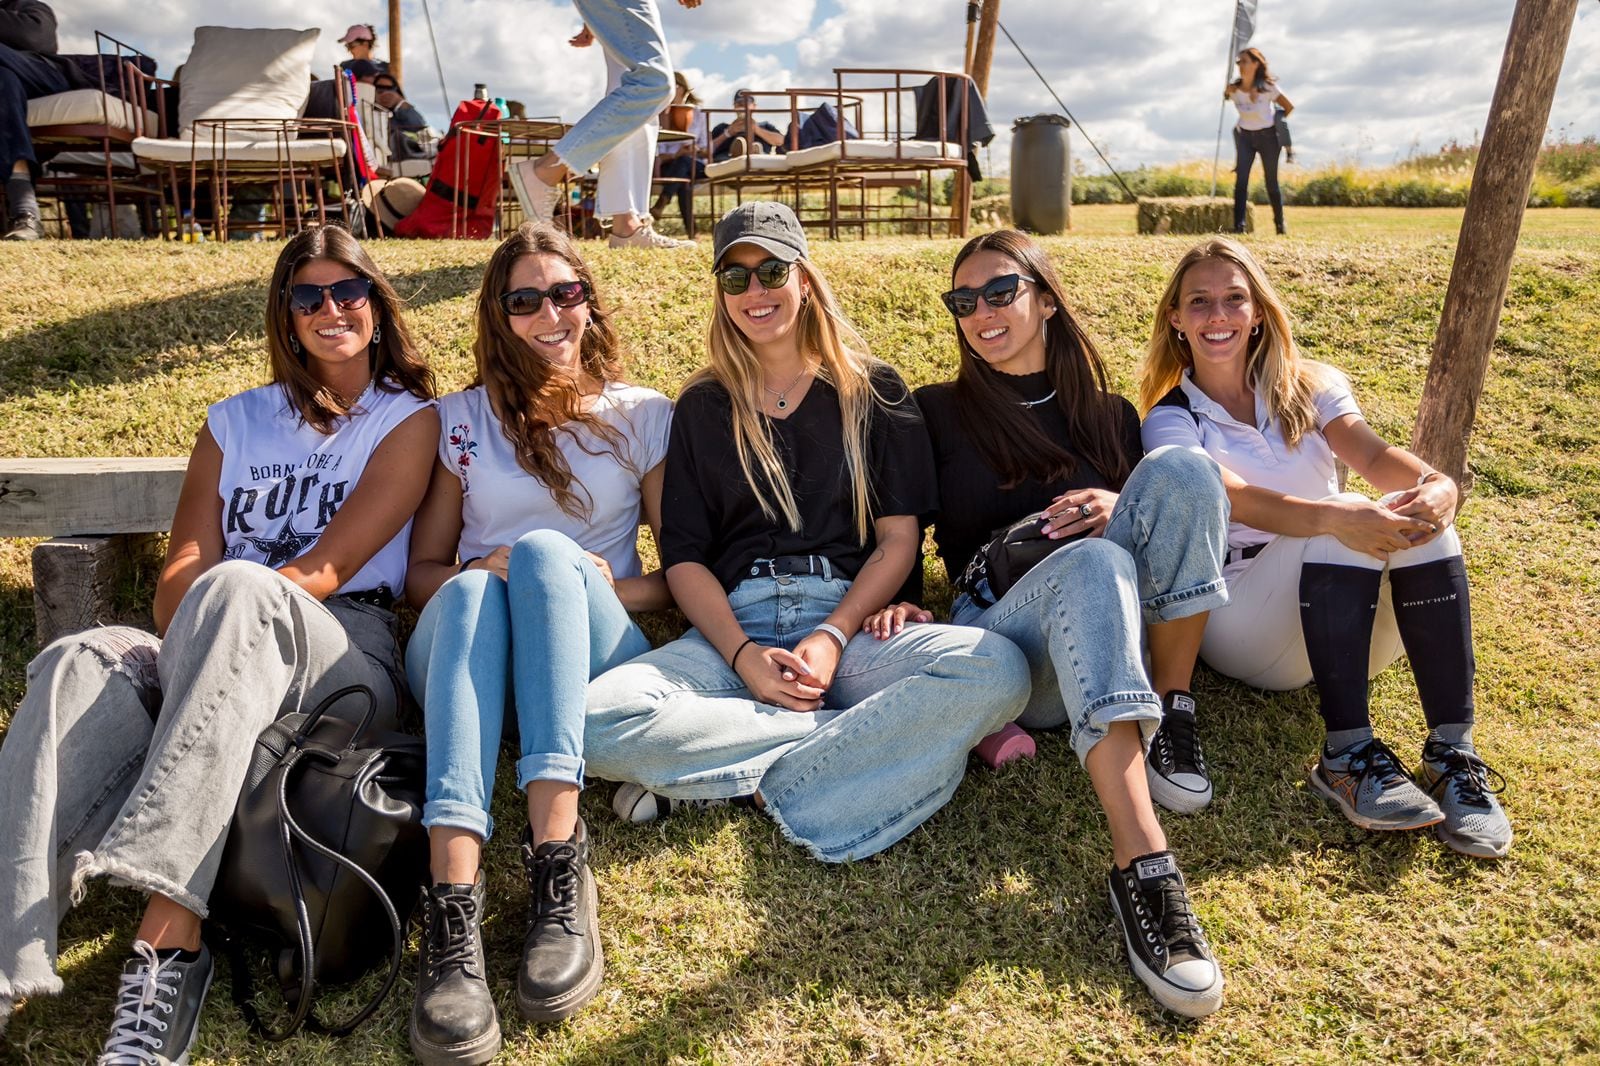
[{"x": 769, "y": 226}]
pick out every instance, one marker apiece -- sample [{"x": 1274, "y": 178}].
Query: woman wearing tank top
[
  {"x": 525, "y": 553},
  {"x": 288, "y": 544}
]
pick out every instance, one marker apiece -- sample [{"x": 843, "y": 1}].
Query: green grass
[{"x": 985, "y": 935}]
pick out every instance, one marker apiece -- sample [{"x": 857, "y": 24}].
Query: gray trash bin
[{"x": 1041, "y": 174}]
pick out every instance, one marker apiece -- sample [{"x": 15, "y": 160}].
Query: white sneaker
[
  {"x": 637, "y": 804},
  {"x": 538, "y": 198},
  {"x": 647, "y": 237}
]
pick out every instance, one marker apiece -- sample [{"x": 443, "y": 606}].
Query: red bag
[{"x": 477, "y": 160}]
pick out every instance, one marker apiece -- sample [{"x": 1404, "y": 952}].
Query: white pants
[
  {"x": 626, "y": 170},
  {"x": 1257, "y": 638}
]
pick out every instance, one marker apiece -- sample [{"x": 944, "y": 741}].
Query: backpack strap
[{"x": 1176, "y": 397}]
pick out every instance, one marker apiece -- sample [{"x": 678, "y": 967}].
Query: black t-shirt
[
  {"x": 710, "y": 515},
  {"x": 974, "y": 503}
]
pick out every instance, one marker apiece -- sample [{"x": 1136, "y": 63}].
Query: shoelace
[
  {"x": 1374, "y": 759},
  {"x": 1177, "y": 745},
  {"x": 450, "y": 935},
  {"x": 1170, "y": 925},
  {"x": 553, "y": 887},
  {"x": 1468, "y": 775},
  {"x": 136, "y": 1031}
]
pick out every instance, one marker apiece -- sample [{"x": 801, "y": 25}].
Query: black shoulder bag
[
  {"x": 1010, "y": 553},
  {"x": 326, "y": 833}
]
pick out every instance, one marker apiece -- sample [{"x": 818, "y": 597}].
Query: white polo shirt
[
  {"x": 1258, "y": 453},
  {"x": 1256, "y": 108}
]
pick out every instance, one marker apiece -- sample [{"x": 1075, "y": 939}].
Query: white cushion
[
  {"x": 869, "y": 150},
  {"x": 238, "y": 151},
  {"x": 754, "y": 164},
  {"x": 234, "y": 73},
  {"x": 87, "y": 107}
]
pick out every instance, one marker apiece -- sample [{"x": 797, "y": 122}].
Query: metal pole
[{"x": 1216, "y": 156}]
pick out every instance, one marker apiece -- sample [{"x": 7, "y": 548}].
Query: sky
[{"x": 1373, "y": 81}]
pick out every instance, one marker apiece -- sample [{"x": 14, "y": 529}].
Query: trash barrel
[{"x": 1041, "y": 174}]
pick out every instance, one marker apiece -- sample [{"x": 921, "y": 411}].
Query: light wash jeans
[
  {"x": 545, "y": 630},
  {"x": 619, "y": 132},
  {"x": 127, "y": 753},
  {"x": 1076, "y": 615},
  {"x": 886, "y": 750}
]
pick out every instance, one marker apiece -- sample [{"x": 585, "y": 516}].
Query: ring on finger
[{"x": 1086, "y": 510}]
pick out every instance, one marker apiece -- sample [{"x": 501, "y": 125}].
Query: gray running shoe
[
  {"x": 158, "y": 1009},
  {"x": 1369, "y": 786},
  {"x": 1465, "y": 787}
]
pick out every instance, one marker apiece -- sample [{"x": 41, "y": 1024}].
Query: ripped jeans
[{"x": 127, "y": 753}]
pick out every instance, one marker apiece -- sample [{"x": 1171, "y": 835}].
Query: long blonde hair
[
  {"x": 1273, "y": 365},
  {"x": 846, "y": 364}
]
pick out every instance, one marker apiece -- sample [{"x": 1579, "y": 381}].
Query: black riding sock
[
  {"x": 20, "y": 198},
  {"x": 1434, "y": 616},
  {"x": 1337, "y": 604}
]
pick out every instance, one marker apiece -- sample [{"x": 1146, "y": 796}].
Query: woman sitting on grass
[
  {"x": 1323, "y": 586},
  {"x": 525, "y": 552},
  {"x": 287, "y": 547},
  {"x": 796, "y": 471},
  {"x": 1029, "y": 426}
]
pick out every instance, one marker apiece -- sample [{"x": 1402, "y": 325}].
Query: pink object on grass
[{"x": 1010, "y": 743}]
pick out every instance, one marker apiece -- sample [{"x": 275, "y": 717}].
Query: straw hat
[{"x": 390, "y": 200}]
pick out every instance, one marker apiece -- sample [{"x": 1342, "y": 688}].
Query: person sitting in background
[
  {"x": 29, "y": 68},
  {"x": 682, "y": 160},
  {"x": 359, "y": 40},
  {"x": 406, "y": 124},
  {"x": 744, "y": 133}
]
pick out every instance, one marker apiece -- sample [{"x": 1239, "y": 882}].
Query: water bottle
[{"x": 480, "y": 91}]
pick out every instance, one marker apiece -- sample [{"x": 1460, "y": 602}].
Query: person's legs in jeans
[
  {"x": 23, "y": 77},
  {"x": 1245, "y": 145},
  {"x": 622, "y": 193},
  {"x": 1267, "y": 146}
]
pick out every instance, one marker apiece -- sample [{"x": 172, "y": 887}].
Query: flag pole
[{"x": 1222, "y": 111}]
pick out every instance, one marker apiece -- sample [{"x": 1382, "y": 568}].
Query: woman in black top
[
  {"x": 1028, "y": 426},
  {"x": 795, "y": 472}
]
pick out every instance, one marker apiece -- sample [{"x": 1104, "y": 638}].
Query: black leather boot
[
  {"x": 561, "y": 959},
  {"x": 453, "y": 1020}
]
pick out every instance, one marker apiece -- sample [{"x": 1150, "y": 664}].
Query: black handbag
[
  {"x": 327, "y": 832},
  {"x": 1010, "y": 553}
]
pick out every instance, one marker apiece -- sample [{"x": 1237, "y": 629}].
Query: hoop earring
[
  {"x": 294, "y": 344},
  {"x": 377, "y": 331},
  {"x": 805, "y": 296},
  {"x": 1255, "y": 330},
  {"x": 1181, "y": 337}
]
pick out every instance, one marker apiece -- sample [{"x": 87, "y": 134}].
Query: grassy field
[{"x": 985, "y": 936}]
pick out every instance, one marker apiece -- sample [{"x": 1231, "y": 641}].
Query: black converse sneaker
[
  {"x": 561, "y": 959},
  {"x": 453, "y": 1020},
  {"x": 158, "y": 1007},
  {"x": 1175, "y": 765},
  {"x": 1165, "y": 945}
]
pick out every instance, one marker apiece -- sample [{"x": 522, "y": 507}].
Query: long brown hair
[
  {"x": 846, "y": 364},
  {"x": 1273, "y": 364},
  {"x": 1010, "y": 442},
  {"x": 1264, "y": 76},
  {"x": 532, "y": 399},
  {"x": 396, "y": 366}
]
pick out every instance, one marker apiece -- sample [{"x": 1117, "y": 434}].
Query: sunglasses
[
  {"x": 385, "y": 86},
  {"x": 348, "y": 295},
  {"x": 773, "y": 273},
  {"x": 528, "y": 301},
  {"x": 997, "y": 293}
]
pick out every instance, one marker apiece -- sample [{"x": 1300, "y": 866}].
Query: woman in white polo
[{"x": 1323, "y": 586}]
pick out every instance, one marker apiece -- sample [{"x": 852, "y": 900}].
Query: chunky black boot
[
  {"x": 561, "y": 960},
  {"x": 453, "y": 1022}
]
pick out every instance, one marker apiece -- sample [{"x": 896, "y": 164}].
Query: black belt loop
[
  {"x": 798, "y": 566},
  {"x": 1240, "y": 554},
  {"x": 379, "y": 597}
]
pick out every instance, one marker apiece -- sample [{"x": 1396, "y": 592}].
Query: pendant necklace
[
  {"x": 782, "y": 394},
  {"x": 1035, "y": 403}
]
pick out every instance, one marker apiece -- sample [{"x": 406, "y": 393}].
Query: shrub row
[{"x": 1332, "y": 187}]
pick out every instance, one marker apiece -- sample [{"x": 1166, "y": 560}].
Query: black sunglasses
[
  {"x": 348, "y": 295},
  {"x": 562, "y": 294},
  {"x": 997, "y": 293},
  {"x": 385, "y": 86},
  {"x": 773, "y": 273}
]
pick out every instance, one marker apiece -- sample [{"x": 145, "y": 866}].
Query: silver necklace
[
  {"x": 1035, "y": 403},
  {"x": 782, "y": 394}
]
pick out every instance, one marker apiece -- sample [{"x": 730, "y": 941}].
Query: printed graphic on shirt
[
  {"x": 466, "y": 450},
  {"x": 283, "y": 508}
]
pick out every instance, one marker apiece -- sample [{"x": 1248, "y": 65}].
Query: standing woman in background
[{"x": 1256, "y": 94}]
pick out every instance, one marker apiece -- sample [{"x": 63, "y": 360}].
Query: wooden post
[
  {"x": 984, "y": 56},
  {"x": 1476, "y": 294},
  {"x": 961, "y": 197},
  {"x": 396, "y": 63},
  {"x": 75, "y": 581}
]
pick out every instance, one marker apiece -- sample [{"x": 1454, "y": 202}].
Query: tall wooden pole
[
  {"x": 982, "y": 58},
  {"x": 1489, "y": 230},
  {"x": 396, "y": 64},
  {"x": 961, "y": 200}
]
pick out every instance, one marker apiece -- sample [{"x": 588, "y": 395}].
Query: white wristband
[{"x": 833, "y": 631}]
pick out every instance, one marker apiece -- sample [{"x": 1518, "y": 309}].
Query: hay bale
[
  {"x": 1190, "y": 214},
  {"x": 992, "y": 212}
]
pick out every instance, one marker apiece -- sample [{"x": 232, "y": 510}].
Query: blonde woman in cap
[{"x": 795, "y": 472}]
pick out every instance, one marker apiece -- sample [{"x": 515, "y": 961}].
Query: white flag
[{"x": 1244, "y": 25}]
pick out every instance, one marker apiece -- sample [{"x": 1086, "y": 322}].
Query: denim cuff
[
  {"x": 1098, "y": 718},
  {"x": 1184, "y": 603},
  {"x": 453, "y": 814},
  {"x": 549, "y": 766}
]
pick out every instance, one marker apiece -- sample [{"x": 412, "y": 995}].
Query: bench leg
[{"x": 76, "y": 580}]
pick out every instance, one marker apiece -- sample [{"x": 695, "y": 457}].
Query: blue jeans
[
  {"x": 1076, "y": 615},
  {"x": 886, "y": 750},
  {"x": 543, "y": 632},
  {"x": 630, "y": 32},
  {"x": 24, "y": 76}
]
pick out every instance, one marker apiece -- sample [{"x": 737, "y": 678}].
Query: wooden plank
[
  {"x": 75, "y": 581},
  {"x": 83, "y": 497}
]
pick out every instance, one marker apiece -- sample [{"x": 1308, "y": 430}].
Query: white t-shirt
[
  {"x": 501, "y": 501},
  {"x": 1259, "y": 456},
  {"x": 1255, "y": 108},
  {"x": 282, "y": 481}
]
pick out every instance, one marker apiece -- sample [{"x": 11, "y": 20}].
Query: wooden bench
[{"x": 102, "y": 516}]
